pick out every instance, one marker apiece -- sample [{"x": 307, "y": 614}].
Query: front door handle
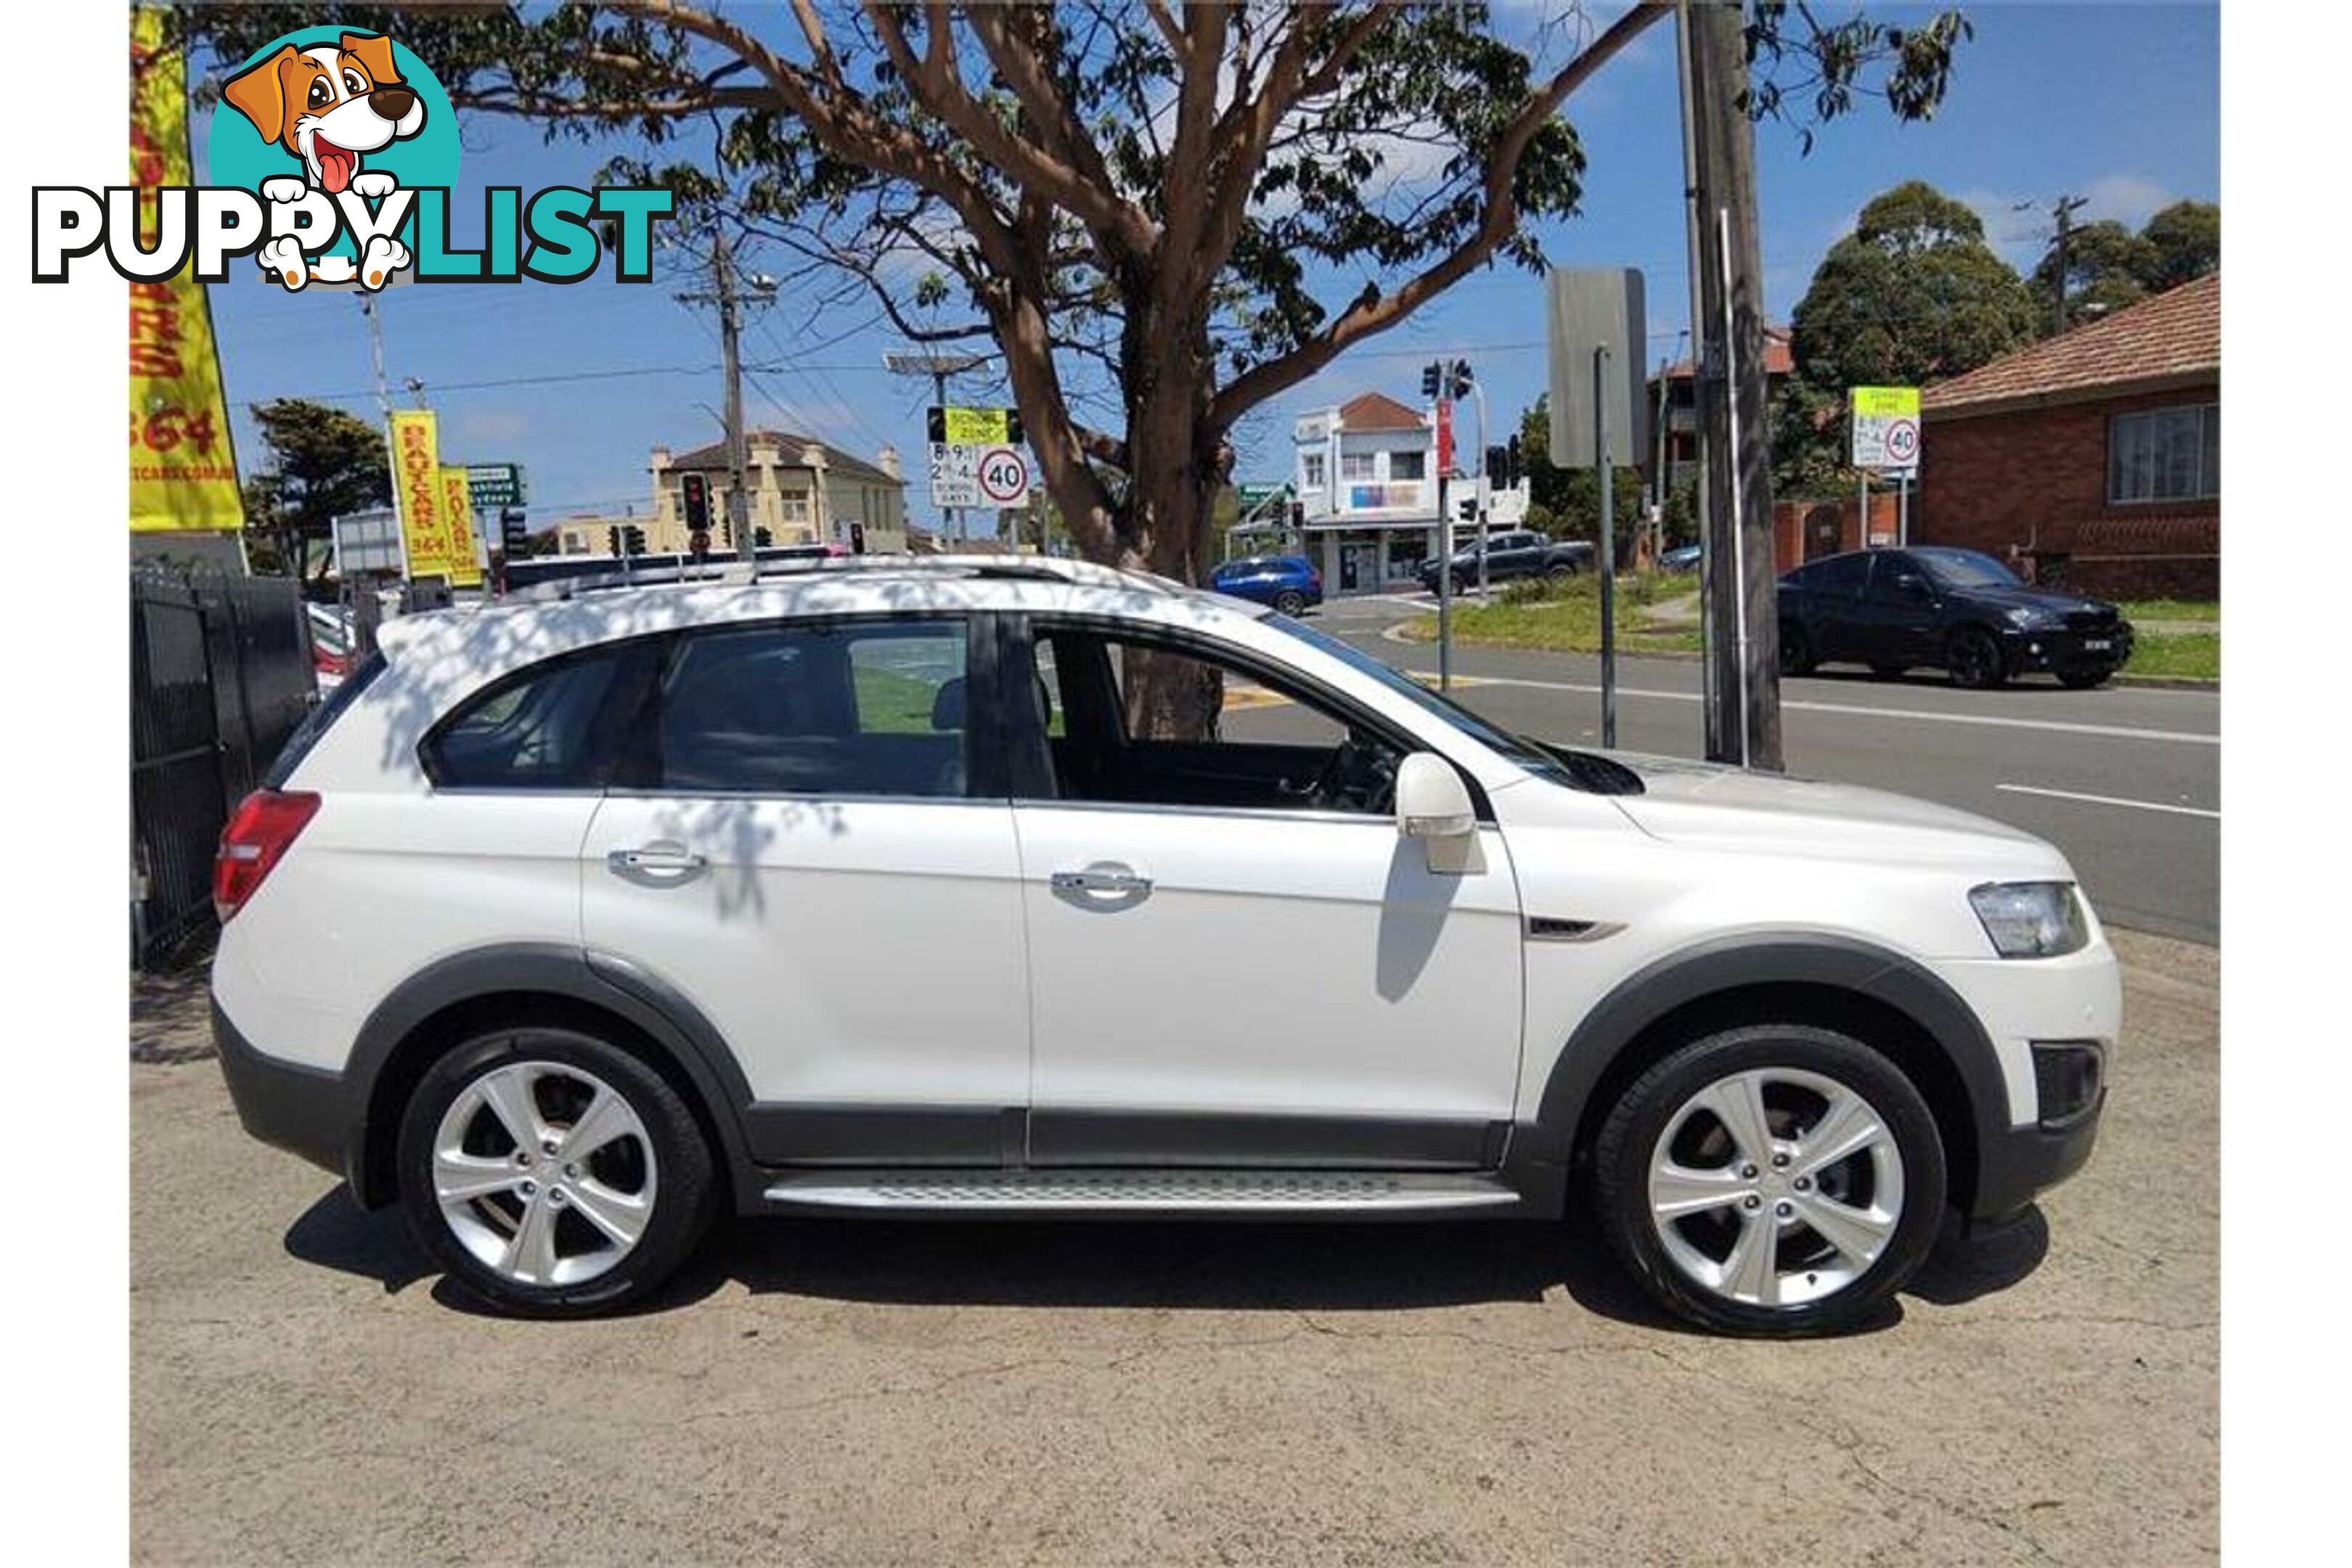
[
  {"x": 655, "y": 858},
  {"x": 1102, "y": 879}
]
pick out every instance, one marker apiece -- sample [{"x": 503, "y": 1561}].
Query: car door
[
  {"x": 1894, "y": 623},
  {"x": 1832, "y": 600},
  {"x": 810, "y": 850},
  {"x": 1235, "y": 959}
]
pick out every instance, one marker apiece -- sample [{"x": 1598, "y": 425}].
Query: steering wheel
[{"x": 1358, "y": 773}]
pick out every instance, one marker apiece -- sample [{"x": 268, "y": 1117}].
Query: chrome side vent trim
[{"x": 1551, "y": 928}]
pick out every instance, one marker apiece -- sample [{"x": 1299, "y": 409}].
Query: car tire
[
  {"x": 1973, "y": 659},
  {"x": 2083, "y": 679},
  {"x": 553, "y": 1231},
  {"x": 1558, "y": 573},
  {"x": 1795, "y": 650},
  {"x": 1737, "y": 1250},
  {"x": 1289, "y": 602}
]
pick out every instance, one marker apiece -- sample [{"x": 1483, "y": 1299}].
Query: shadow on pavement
[{"x": 1169, "y": 1265}]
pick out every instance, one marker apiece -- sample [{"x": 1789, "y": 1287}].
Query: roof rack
[{"x": 733, "y": 573}]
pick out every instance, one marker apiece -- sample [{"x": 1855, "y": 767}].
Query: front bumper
[
  {"x": 285, "y": 1104},
  {"x": 2021, "y": 1161},
  {"x": 2065, "y": 651}
]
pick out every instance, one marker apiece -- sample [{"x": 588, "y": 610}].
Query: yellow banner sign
[
  {"x": 1886, "y": 401},
  {"x": 457, "y": 506},
  {"x": 183, "y": 466},
  {"x": 428, "y": 533},
  {"x": 975, "y": 427}
]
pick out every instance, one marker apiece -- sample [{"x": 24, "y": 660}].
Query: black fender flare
[
  {"x": 614, "y": 984},
  {"x": 1729, "y": 963}
]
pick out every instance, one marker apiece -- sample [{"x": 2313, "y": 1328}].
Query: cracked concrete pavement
[{"x": 303, "y": 1390}]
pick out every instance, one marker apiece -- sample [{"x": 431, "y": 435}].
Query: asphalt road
[
  {"x": 2126, "y": 780},
  {"x": 303, "y": 1390}
]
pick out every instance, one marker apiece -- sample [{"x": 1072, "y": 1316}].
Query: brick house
[{"x": 2094, "y": 457}]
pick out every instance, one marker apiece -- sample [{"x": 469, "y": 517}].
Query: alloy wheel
[
  {"x": 544, "y": 1173},
  {"x": 1975, "y": 660},
  {"x": 1775, "y": 1187}
]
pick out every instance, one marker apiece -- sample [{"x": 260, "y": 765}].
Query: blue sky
[{"x": 2121, "y": 103}]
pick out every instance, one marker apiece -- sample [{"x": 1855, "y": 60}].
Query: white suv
[{"x": 570, "y": 925}]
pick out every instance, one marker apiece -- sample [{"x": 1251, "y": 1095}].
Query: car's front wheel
[
  {"x": 551, "y": 1173},
  {"x": 1974, "y": 659},
  {"x": 1776, "y": 1180}
]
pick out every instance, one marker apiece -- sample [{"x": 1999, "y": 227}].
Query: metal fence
[{"x": 221, "y": 672}]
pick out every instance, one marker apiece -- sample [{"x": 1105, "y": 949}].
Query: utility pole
[
  {"x": 738, "y": 501},
  {"x": 2062, "y": 210},
  {"x": 1743, "y": 696}
]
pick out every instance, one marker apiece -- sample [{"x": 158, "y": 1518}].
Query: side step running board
[{"x": 1327, "y": 1193}]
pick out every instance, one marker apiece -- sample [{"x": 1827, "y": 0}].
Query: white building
[{"x": 1366, "y": 480}]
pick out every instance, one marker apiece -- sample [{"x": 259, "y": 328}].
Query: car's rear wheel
[
  {"x": 1973, "y": 658},
  {"x": 551, "y": 1173},
  {"x": 1290, "y": 601},
  {"x": 1795, "y": 650},
  {"x": 1776, "y": 1180}
]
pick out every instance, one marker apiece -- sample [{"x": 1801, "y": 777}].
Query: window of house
[
  {"x": 2165, "y": 454},
  {"x": 796, "y": 505},
  {"x": 1358, "y": 465},
  {"x": 1407, "y": 465},
  {"x": 1310, "y": 471},
  {"x": 873, "y": 709}
]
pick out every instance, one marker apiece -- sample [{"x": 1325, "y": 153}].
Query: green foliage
[
  {"x": 323, "y": 462},
  {"x": 1913, "y": 294},
  {"x": 2108, "y": 266},
  {"x": 1566, "y": 502}
]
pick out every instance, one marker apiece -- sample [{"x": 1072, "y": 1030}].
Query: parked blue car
[{"x": 1289, "y": 582}]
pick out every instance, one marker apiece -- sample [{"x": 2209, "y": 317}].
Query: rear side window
[
  {"x": 557, "y": 725},
  {"x": 322, "y": 718},
  {"x": 1838, "y": 575},
  {"x": 849, "y": 709}
]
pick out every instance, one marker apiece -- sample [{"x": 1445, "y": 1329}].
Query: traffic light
[
  {"x": 612, "y": 540},
  {"x": 1433, "y": 378},
  {"x": 1498, "y": 465},
  {"x": 696, "y": 488},
  {"x": 514, "y": 535},
  {"x": 1458, "y": 378},
  {"x": 1515, "y": 462},
  {"x": 760, "y": 538},
  {"x": 857, "y": 538},
  {"x": 698, "y": 544},
  {"x": 634, "y": 538}
]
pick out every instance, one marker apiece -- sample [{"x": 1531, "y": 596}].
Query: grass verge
[{"x": 1565, "y": 617}]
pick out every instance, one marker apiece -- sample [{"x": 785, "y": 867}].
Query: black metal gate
[{"x": 221, "y": 672}]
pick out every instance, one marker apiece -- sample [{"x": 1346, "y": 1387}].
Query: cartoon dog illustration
[{"x": 327, "y": 106}]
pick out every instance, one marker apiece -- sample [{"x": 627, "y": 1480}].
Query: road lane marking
[
  {"x": 2110, "y": 800},
  {"x": 1922, "y": 715}
]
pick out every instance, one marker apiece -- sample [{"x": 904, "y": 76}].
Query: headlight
[
  {"x": 2026, "y": 615},
  {"x": 2032, "y": 920}
]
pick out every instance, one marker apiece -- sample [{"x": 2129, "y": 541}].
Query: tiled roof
[
  {"x": 1370, "y": 411},
  {"x": 2174, "y": 337},
  {"x": 713, "y": 457}
]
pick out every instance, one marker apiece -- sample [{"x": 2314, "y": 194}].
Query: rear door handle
[
  {"x": 1103, "y": 880},
  {"x": 655, "y": 858}
]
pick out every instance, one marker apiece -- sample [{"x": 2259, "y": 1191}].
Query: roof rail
[{"x": 735, "y": 574}]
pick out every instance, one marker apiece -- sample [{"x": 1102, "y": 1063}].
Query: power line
[{"x": 613, "y": 373}]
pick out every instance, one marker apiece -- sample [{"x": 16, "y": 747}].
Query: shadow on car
[{"x": 1162, "y": 1265}]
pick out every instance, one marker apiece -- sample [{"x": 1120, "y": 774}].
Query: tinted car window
[
  {"x": 552, "y": 726},
  {"x": 1965, "y": 569},
  {"x": 876, "y": 709},
  {"x": 1838, "y": 575}
]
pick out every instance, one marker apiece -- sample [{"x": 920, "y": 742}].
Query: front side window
[
  {"x": 1838, "y": 575},
  {"x": 557, "y": 725},
  {"x": 1964, "y": 569},
  {"x": 846, "y": 709},
  {"x": 2165, "y": 454},
  {"x": 1270, "y": 746}
]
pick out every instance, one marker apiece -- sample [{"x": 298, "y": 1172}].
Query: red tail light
[{"x": 259, "y": 832}]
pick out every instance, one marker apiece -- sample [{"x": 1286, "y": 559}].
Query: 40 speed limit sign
[{"x": 1003, "y": 475}]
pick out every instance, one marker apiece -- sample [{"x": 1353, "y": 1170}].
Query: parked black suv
[
  {"x": 1959, "y": 610},
  {"x": 1513, "y": 553}
]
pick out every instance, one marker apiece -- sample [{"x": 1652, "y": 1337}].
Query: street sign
[
  {"x": 1003, "y": 476},
  {"x": 955, "y": 475},
  {"x": 1444, "y": 438},
  {"x": 495, "y": 484},
  {"x": 958, "y": 427},
  {"x": 1593, "y": 310},
  {"x": 1885, "y": 428}
]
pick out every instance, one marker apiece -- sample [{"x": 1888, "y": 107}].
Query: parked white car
[{"x": 570, "y": 925}]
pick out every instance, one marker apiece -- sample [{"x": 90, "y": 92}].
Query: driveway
[{"x": 303, "y": 1391}]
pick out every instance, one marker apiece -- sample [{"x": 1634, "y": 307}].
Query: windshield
[
  {"x": 1532, "y": 755},
  {"x": 1965, "y": 569}
]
